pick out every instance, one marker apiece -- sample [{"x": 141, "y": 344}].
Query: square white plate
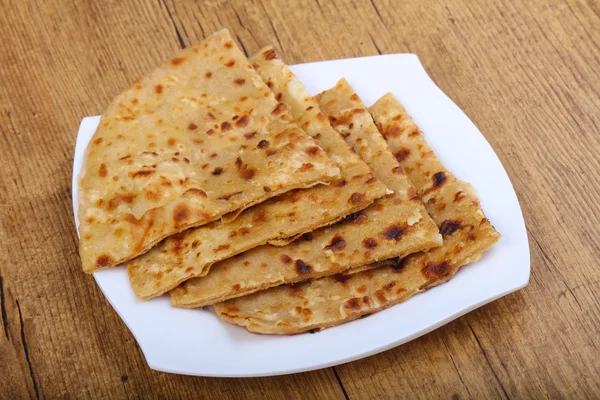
[{"x": 197, "y": 342}]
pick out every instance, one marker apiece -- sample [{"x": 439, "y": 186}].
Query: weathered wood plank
[{"x": 525, "y": 72}]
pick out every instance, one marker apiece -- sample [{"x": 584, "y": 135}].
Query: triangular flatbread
[
  {"x": 180, "y": 148},
  {"x": 191, "y": 253},
  {"x": 334, "y": 300},
  {"x": 396, "y": 225}
]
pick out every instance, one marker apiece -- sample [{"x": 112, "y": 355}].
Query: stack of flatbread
[{"x": 220, "y": 180}]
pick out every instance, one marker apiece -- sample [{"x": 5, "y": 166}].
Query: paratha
[
  {"x": 191, "y": 253},
  {"x": 396, "y": 225},
  {"x": 180, "y": 149},
  {"x": 334, "y": 300}
]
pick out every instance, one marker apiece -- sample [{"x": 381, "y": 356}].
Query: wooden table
[{"x": 525, "y": 72}]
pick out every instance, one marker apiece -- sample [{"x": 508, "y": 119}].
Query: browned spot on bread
[
  {"x": 221, "y": 247},
  {"x": 244, "y": 171},
  {"x": 236, "y": 287},
  {"x": 119, "y": 199},
  {"x": 250, "y": 135},
  {"x": 270, "y": 152},
  {"x": 104, "y": 260},
  {"x": 371, "y": 180},
  {"x": 228, "y": 44},
  {"x": 339, "y": 183},
  {"x": 307, "y": 237},
  {"x": 389, "y": 285},
  {"x": 361, "y": 289},
  {"x": 356, "y": 198},
  {"x": 225, "y": 126},
  {"x": 269, "y": 54},
  {"x": 208, "y": 74},
  {"x": 103, "y": 170},
  {"x": 152, "y": 195},
  {"x": 98, "y": 141},
  {"x": 217, "y": 171},
  {"x": 471, "y": 236},
  {"x": 192, "y": 126},
  {"x": 393, "y": 232},
  {"x": 243, "y": 121},
  {"x": 228, "y": 196},
  {"x": 392, "y": 132},
  {"x": 356, "y": 218},
  {"x": 313, "y": 150},
  {"x": 196, "y": 192},
  {"x": 230, "y": 63},
  {"x": 435, "y": 270},
  {"x": 260, "y": 217},
  {"x": 278, "y": 96},
  {"x": 158, "y": 89},
  {"x": 142, "y": 172},
  {"x": 458, "y": 195},
  {"x": 266, "y": 189},
  {"x": 177, "y": 243},
  {"x": 302, "y": 267},
  {"x": 321, "y": 117},
  {"x": 411, "y": 193},
  {"x": 397, "y": 170},
  {"x": 306, "y": 167},
  {"x": 180, "y": 214},
  {"x": 263, "y": 144},
  {"x": 280, "y": 108},
  {"x": 177, "y": 60},
  {"x": 354, "y": 97},
  {"x": 369, "y": 243},
  {"x": 338, "y": 243},
  {"x": 439, "y": 179},
  {"x": 449, "y": 226},
  {"x": 196, "y": 243},
  {"x": 402, "y": 154},
  {"x": 380, "y": 294},
  {"x": 239, "y": 81},
  {"x": 341, "y": 278},
  {"x": 352, "y": 304},
  {"x": 285, "y": 259}
]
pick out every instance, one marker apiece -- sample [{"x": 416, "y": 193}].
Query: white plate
[{"x": 198, "y": 343}]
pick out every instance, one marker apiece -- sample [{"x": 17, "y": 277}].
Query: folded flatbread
[
  {"x": 394, "y": 226},
  {"x": 181, "y": 148},
  {"x": 191, "y": 253},
  {"x": 333, "y": 300}
]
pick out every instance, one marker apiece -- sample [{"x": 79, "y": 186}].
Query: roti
[
  {"x": 191, "y": 253},
  {"x": 334, "y": 300},
  {"x": 394, "y": 226},
  {"x": 180, "y": 148}
]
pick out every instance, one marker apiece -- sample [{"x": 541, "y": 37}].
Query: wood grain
[{"x": 526, "y": 74}]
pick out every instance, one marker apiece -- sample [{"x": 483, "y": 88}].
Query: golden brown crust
[
  {"x": 334, "y": 300},
  {"x": 179, "y": 149},
  {"x": 396, "y": 225},
  {"x": 192, "y": 253}
]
